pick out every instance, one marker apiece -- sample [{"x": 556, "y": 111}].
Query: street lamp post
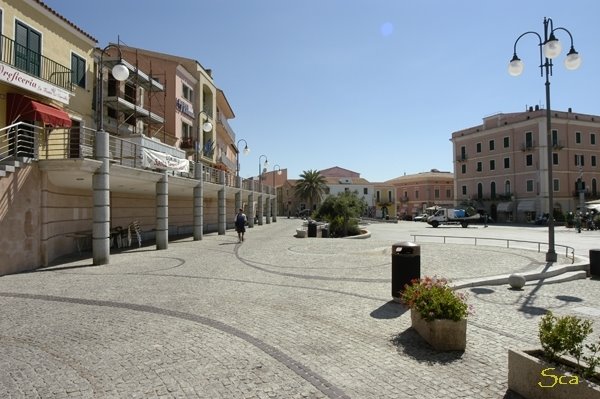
[
  {"x": 550, "y": 48},
  {"x": 199, "y": 188},
  {"x": 100, "y": 179},
  {"x": 237, "y": 155},
  {"x": 260, "y": 168}
]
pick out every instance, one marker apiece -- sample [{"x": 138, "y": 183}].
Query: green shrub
[{"x": 566, "y": 335}]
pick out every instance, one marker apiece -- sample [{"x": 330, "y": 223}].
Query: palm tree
[{"x": 311, "y": 186}]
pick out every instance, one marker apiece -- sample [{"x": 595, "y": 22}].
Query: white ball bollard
[{"x": 516, "y": 281}]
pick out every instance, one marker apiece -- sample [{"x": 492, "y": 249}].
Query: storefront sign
[{"x": 20, "y": 79}]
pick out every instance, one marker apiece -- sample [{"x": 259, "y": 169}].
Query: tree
[
  {"x": 342, "y": 211},
  {"x": 311, "y": 187}
]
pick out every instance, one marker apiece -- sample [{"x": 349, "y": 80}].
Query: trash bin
[
  {"x": 406, "y": 266},
  {"x": 325, "y": 232},
  {"x": 312, "y": 229},
  {"x": 595, "y": 262}
]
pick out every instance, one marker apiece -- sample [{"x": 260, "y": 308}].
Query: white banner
[
  {"x": 159, "y": 160},
  {"x": 15, "y": 77}
]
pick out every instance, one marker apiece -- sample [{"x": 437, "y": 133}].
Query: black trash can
[
  {"x": 312, "y": 229},
  {"x": 595, "y": 262},
  {"x": 325, "y": 232},
  {"x": 406, "y": 266}
]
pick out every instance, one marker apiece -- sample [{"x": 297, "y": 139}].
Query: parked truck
[{"x": 453, "y": 216}]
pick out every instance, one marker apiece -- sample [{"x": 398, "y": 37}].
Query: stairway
[{"x": 11, "y": 165}]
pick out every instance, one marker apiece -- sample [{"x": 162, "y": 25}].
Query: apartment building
[
  {"x": 502, "y": 164},
  {"x": 417, "y": 192},
  {"x": 86, "y": 155}
]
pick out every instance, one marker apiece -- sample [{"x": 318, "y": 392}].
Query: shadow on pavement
[
  {"x": 411, "y": 344},
  {"x": 512, "y": 395},
  {"x": 389, "y": 310}
]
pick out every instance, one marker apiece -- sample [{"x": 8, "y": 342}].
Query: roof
[
  {"x": 336, "y": 171},
  {"x": 433, "y": 174},
  {"x": 71, "y": 24}
]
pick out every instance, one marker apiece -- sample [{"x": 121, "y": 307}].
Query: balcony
[
  {"x": 223, "y": 122},
  {"x": 528, "y": 146},
  {"x": 34, "y": 64},
  {"x": 187, "y": 143},
  {"x": 461, "y": 158},
  {"x": 557, "y": 145}
]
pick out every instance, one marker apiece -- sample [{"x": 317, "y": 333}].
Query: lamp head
[
  {"x": 120, "y": 72},
  {"x": 207, "y": 126},
  {"x": 266, "y": 163},
  {"x": 552, "y": 47},
  {"x": 573, "y": 60},
  {"x": 246, "y": 150},
  {"x": 515, "y": 67},
  {"x": 279, "y": 172}
]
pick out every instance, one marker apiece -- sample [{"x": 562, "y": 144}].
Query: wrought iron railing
[{"x": 34, "y": 64}]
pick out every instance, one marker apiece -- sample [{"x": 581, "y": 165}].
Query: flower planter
[
  {"x": 533, "y": 377},
  {"x": 443, "y": 335}
]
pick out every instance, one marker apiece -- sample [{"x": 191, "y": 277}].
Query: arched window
[
  {"x": 479, "y": 190},
  {"x": 507, "y": 187},
  {"x": 493, "y": 189},
  {"x": 594, "y": 187}
]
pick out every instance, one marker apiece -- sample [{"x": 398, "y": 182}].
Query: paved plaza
[{"x": 274, "y": 317}]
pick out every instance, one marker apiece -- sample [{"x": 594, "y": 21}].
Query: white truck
[{"x": 453, "y": 216}]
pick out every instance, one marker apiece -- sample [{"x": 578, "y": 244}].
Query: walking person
[{"x": 240, "y": 224}]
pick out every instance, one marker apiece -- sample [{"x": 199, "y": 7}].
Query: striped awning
[{"x": 505, "y": 207}]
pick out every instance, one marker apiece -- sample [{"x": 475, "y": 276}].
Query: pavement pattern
[{"x": 273, "y": 317}]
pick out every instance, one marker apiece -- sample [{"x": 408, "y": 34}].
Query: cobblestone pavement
[{"x": 273, "y": 317}]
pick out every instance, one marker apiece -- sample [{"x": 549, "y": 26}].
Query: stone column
[
  {"x": 198, "y": 202},
  {"x": 162, "y": 212},
  {"x": 259, "y": 204},
  {"x": 268, "y": 209},
  {"x": 274, "y": 206},
  {"x": 101, "y": 202},
  {"x": 222, "y": 205},
  {"x": 238, "y": 194},
  {"x": 250, "y": 210}
]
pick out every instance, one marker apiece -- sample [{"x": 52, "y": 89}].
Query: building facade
[
  {"x": 417, "y": 192},
  {"x": 502, "y": 164}
]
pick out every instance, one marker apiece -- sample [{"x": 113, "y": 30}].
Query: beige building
[
  {"x": 502, "y": 164},
  {"x": 416, "y": 192},
  {"x": 86, "y": 159}
]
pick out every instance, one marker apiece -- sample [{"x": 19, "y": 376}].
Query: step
[
  {"x": 7, "y": 168},
  {"x": 561, "y": 278},
  {"x": 2, "y": 173}
]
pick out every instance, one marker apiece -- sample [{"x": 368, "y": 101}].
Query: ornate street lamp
[
  {"x": 260, "y": 168},
  {"x": 550, "y": 48},
  {"x": 204, "y": 127},
  {"x": 237, "y": 155},
  {"x": 100, "y": 179}
]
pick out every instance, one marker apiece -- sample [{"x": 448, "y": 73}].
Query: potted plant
[
  {"x": 565, "y": 367},
  {"x": 438, "y": 313}
]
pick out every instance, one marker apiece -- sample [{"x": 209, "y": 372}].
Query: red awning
[{"x": 21, "y": 108}]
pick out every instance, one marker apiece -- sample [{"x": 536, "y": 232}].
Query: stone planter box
[
  {"x": 532, "y": 378},
  {"x": 443, "y": 335}
]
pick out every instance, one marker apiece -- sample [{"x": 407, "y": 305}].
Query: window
[
  {"x": 492, "y": 164},
  {"x": 463, "y": 152},
  {"x": 28, "y": 44},
  {"x": 594, "y": 187},
  {"x": 479, "y": 167},
  {"x": 579, "y": 160},
  {"x": 448, "y": 193},
  {"x": 593, "y": 138},
  {"x": 365, "y": 191},
  {"x": 554, "y": 158},
  {"x": 417, "y": 194},
  {"x": 529, "y": 160},
  {"x": 506, "y": 142},
  {"x": 389, "y": 196},
  {"x": 378, "y": 196},
  {"x": 77, "y": 70},
  {"x": 478, "y": 146},
  {"x": 529, "y": 186},
  {"x": 507, "y": 187},
  {"x": 506, "y": 163},
  {"x": 479, "y": 190},
  {"x": 436, "y": 193},
  {"x": 528, "y": 139},
  {"x": 492, "y": 145},
  {"x": 556, "y": 185},
  {"x": 555, "y": 138},
  {"x": 593, "y": 160},
  {"x": 493, "y": 189},
  {"x": 463, "y": 168},
  {"x": 188, "y": 93},
  {"x": 464, "y": 190},
  {"x": 577, "y": 137},
  {"x": 186, "y": 131}
]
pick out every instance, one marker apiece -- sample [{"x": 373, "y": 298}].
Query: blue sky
[{"x": 374, "y": 86}]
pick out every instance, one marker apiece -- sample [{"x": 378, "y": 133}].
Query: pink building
[{"x": 501, "y": 166}]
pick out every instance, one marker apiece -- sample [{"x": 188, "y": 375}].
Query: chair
[{"x": 134, "y": 227}]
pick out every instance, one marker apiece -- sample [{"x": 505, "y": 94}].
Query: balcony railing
[
  {"x": 223, "y": 122},
  {"x": 34, "y": 64},
  {"x": 23, "y": 140}
]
